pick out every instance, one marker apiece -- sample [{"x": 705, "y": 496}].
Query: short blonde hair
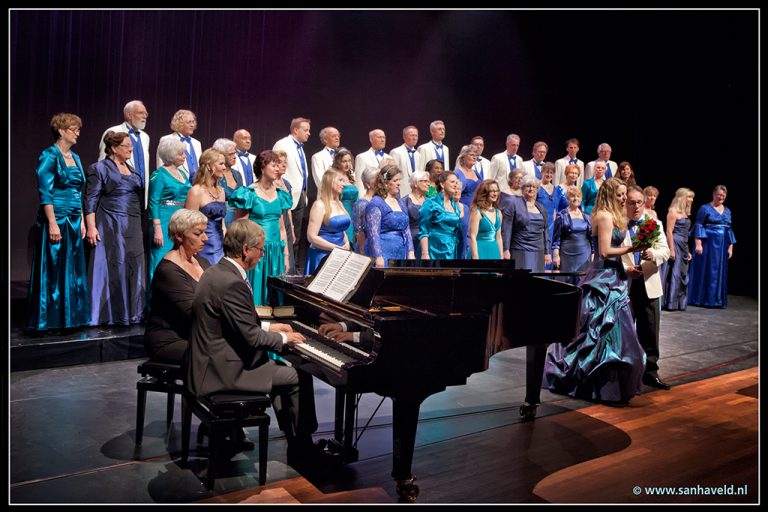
[
  {"x": 178, "y": 117},
  {"x": 183, "y": 220},
  {"x": 62, "y": 121}
]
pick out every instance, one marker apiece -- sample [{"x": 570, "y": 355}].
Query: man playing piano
[{"x": 228, "y": 344}]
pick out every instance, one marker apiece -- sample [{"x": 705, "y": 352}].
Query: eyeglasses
[
  {"x": 260, "y": 249},
  {"x": 423, "y": 181},
  {"x": 74, "y": 129},
  {"x": 126, "y": 146},
  {"x": 530, "y": 186}
]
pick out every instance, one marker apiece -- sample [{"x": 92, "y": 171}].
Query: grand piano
[{"x": 424, "y": 325}]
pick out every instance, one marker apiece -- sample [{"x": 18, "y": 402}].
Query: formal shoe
[
  {"x": 406, "y": 490},
  {"x": 308, "y": 456},
  {"x": 654, "y": 381},
  {"x": 242, "y": 443},
  {"x": 528, "y": 412}
]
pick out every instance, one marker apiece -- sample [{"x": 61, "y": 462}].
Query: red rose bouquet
[{"x": 647, "y": 233}]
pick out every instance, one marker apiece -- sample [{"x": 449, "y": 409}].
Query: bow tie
[
  {"x": 572, "y": 160},
  {"x": 438, "y": 146},
  {"x": 411, "y": 151},
  {"x": 331, "y": 151},
  {"x": 134, "y": 132},
  {"x": 244, "y": 154},
  {"x": 186, "y": 139},
  {"x": 635, "y": 223},
  {"x": 379, "y": 153}
]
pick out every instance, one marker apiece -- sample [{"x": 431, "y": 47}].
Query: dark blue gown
[
  {"x": 58, "y": 291},
  {"x": 573, "y": 237},
  {"x": 387, "y": 231},
  {"x": 117, "y": 266},
  {"x": 231, "y": 210},
  {"x": 676, "y": 278},
  {"x": 606, "y": 361},
  {"x": 213, "y": 250},
  {"x": 468, "y": 188},
  {"x": 708, "y": 276},
  {"x": 413, "y": 223},
  {"x": 333, "y": 233}
]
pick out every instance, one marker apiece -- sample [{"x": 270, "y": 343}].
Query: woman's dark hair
[
  {"x": 262, "y": 159},
  {"x": 386, "y": 174},
  {"x": 113, "y": 139}
]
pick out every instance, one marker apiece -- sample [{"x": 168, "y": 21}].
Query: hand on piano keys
[
  {"x": 335, "y": 332},
  {"x": 292, "y": 337}
]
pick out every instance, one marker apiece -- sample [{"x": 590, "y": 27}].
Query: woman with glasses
[
  {"x": 114, "y": 200},
  {"x": 572, "y": 236},
  {"x": 419, "y": 182},
  {"x": 263, "y": 203},
  {"x": 58, "y": 290},
  {"x": 525, "y": 234}
]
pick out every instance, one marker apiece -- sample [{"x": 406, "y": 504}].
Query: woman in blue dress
[
  {"x": 58, "y": 291},
  {"x": 440, "y": 221},
  {"x": 386, "y": 221},
  {"x": 368, "y": 178},
  {"x": 606, "y": 361},
  {"x": 208, "y": 196},
  {"x": 708, "y": 276},
  {"x": 117, "y": 270},
  {"x": 470, "y": 180},
  {"x": 676, "y": 273},
  {"x": 485, "y": 223},
  {"x": 524, "y": 235},
  {"x": 263, "y": 203},
  {"x": 572, "y": 236},
  {"x": 571, "y": 174},
  {"x": 342, "y": 162},
  {"x": 230, "y": 180},
  {"x": 413, "y": 202},
  {"x": 168, "y": 188},
  {"x": 328, "y": 221},
  {"x": 549, "y": 196}
]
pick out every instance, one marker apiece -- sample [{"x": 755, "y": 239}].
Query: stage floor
[{"x": 72, "y": 436}]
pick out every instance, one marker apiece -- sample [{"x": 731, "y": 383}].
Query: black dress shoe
[
  {"x": 654, "y": 381},
  {"x": 310, "y": 456}
]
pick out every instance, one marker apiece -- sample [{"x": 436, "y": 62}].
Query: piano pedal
[
  {"x": 345, "y": 456},
  {"x": 528, "y": 412}
]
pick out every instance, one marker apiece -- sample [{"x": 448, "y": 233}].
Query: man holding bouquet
[{"x": 645, "y": 283}]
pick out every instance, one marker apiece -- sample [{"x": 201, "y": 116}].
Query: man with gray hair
[
  {"x": 228, "y": 343},
  {"x": 533, "y": 166},
  {"x": 135, "y": 114},
  {"x": 435, "y": 149},
  {"x": 407, "y": 158},
  {"x": 505, "y": 162},
  {"x": 244, "y": 163},
  {"x": 371, "y": 158},
  {"x": 323, "y": 159},
  {"x": 604, "y": 154}
]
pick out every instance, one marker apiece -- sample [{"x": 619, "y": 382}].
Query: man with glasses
[
  {"x": 645, "y": 286},
  {"x": 604, "y": 154},
  {"x": 135, "y": 114},
  {"x": 184, "y": 123}
]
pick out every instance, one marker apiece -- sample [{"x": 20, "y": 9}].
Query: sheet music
[{"x": 340, "y": 274}]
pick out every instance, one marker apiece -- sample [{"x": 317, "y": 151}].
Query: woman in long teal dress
[
  {"x": 342, "y": 162},
  {"x": 714, "y": 239},
  {"x": 485, "y": 222},
  {"x": 207, "y": 195},
  {"x": 606, "y": 361},
  {"x": 58, "y": 290},
  {"x": 328, "y": 221},
  {"x": 440, "y": 221},
  {"x": 262, "y": 203},
  {"x": 168, "y": 188}
]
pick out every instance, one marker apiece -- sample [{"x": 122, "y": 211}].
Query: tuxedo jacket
[
  {"x": 589, "y": 170},
  {"x": 144, "y": 146},
  {"x": 561, "y": 164},
  {"x": 400, "y": 156},
  {"x": 238, "y": 168},
  {"x": 651, "y": 277},
  {"x": 428, "y": 153},
  {"x": 363, "y": 160},
  {"x": 321, "y": 162},
  {"x": 227, "y": 346},
  {"x": 499, "y": 169},
  {"x": 294, "y": 173},
  {"x": 195, "y": 144}
]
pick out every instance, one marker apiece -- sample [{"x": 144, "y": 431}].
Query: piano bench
[
  {"x": 160, "y": 377},
  {"x": 221, "y": 413}
]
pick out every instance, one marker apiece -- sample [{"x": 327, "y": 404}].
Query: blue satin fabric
[
  {"x": 213, "y": 250},
  {"x": 58, "y": 288},
  {"x": 708, "y": 276},
  {"x": 442, "y": 227},
  {"x": 573, "y": 237},
  {"x": 333, "y": 233},
  {"x": 358, "y": 221},
  {"x": 413, "y": 223},
  {"x": 117, "y": 264},
  {"x": 163, "y": 189},
  {"x": 676, "y": 278},
  {"x": 606, "y": 361},
  {"x": 231, "y": 210},
  {"x": 487, "y": 247},
  {"x": 387, "y": 231},
  {"x": 266, "y": 214}
]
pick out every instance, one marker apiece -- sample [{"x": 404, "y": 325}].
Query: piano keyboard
[{"x": 325, "y": 350}]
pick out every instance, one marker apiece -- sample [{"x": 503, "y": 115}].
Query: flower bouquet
[{"x": 647, "y": 233}]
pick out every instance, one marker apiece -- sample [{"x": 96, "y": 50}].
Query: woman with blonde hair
[
  {"x": 284, "y": 185},
  {"x": 651, "y": 194},
  {"x": 328, "y": 221},
  {"x": 606, "y": 361},
  {"x": 208, "y": 196},
  {"x": 343, "y": 162},
  {"x": 678, "y": 226}
]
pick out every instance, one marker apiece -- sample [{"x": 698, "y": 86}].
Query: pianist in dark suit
[{"x": 228, "y": 344}]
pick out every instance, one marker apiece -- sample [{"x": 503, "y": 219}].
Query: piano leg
[
  {"x": 344, "y": 427},
  {"x": 535, "y": 357},
  {"x": 405, "y": 419}
]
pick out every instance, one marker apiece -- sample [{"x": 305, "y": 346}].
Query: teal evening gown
[
  {"x": 487, "y": 247},
  {"x": 166, "y": 195},
  {"x": 58, "y": 288},
  {"x": 267, "y": 215},
  {"x": 348, "y": 199},
  {"x": 442, "y": 227}
]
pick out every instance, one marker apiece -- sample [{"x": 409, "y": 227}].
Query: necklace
[{"x": 214, "y": 197}]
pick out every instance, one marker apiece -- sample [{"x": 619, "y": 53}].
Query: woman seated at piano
[
  {"x": 328, "y": 221},
  {"x": 173, "y": 287},
  {"x": 485, "y": 222},
  {"x": 387, "y": 226},
  {"x": 440, "y": 221}
]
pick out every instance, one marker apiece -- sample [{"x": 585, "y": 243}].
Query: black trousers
[
  {"x": 647, "y": 320},
  {"x": 293, "y": 398},
  {"x": 300, "y": 244}
]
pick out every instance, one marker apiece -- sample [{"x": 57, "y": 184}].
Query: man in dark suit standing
[{"x": 228, "y": 343}]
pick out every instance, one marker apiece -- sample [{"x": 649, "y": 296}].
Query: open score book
[{"x": 340, "y": 274}]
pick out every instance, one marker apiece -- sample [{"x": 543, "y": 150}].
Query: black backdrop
[{"x": 673, "y": 92}]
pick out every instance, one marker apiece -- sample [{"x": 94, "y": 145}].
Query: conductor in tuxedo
[
  {"x": 228, "y": 343},
  {"x": 645, "y": 287}
]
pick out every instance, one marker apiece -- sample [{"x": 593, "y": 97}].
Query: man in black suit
[{"x": 228, "y": 343}]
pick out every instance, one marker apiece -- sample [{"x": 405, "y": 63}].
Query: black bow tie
[{"x": 635, "y": 223}]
